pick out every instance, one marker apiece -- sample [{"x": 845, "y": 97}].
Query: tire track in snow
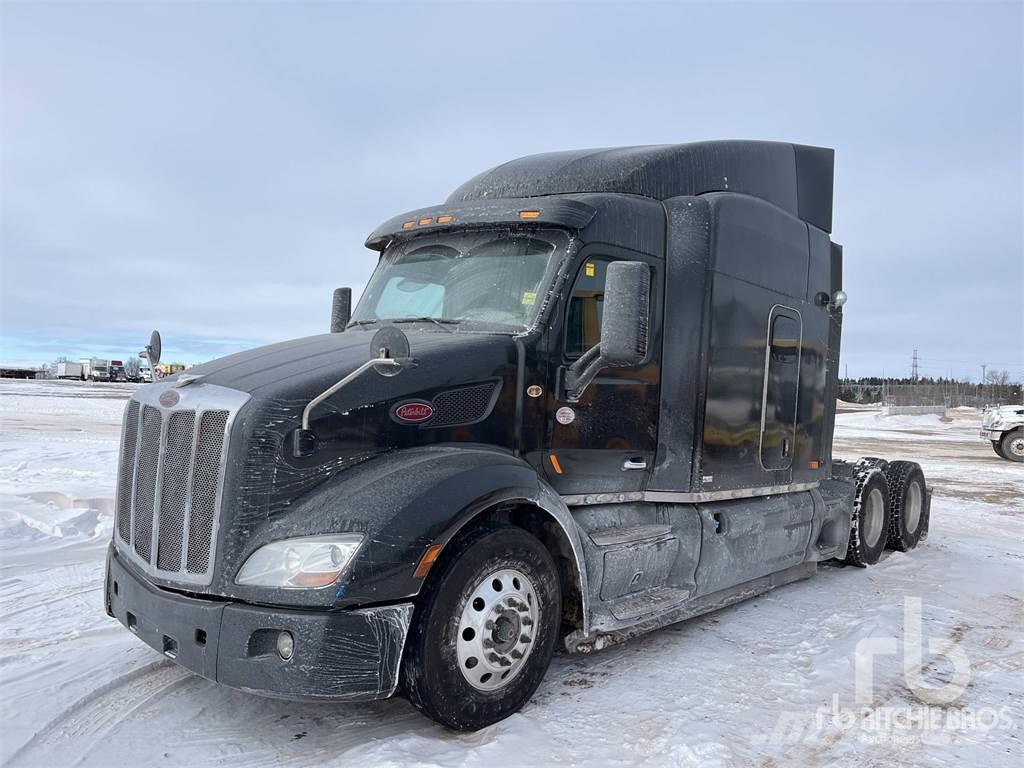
[{"x": 90, "y": 719}]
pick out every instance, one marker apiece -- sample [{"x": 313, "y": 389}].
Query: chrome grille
[
  {"x": 174, "y": 489},
  {"x": 125, "y": 480},
  {"x": 170, "y": 478},
  {"x": 205, "y": 475},
  {"x": 148, "y": 461}
]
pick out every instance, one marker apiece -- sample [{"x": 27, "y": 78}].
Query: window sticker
[
  {"x": 590, "y": 269},
  {"x": 529, "y": 297}
]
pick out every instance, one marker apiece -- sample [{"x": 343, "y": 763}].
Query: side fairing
[{"x": 749, "y": 347}]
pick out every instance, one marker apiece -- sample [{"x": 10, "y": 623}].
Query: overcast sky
[{"x": 212, "y": 170}]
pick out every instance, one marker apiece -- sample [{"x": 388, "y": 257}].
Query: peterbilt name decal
[{"x": 413, "y": 412}]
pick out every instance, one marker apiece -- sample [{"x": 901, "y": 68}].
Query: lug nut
[
  {"x": 504, "y": 662},
  {"x": 488, "y": 624},
  {"x": 524, "y": 639},
  {"x": 526, "y": 621},
  {"x": 488, "y": 643},
  {"x": 493, "y": 658},
  {"x": 516, "y": 654}
]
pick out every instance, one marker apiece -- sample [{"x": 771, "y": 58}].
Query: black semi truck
[{"x": 590, "y": 395}]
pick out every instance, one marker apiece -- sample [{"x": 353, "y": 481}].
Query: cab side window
[{"x": 586, "y": 308}]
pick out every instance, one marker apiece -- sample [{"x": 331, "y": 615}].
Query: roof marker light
[
  {"x": 445, "y": 218},
  {"x": 424, "y": 222},
  {"x": 408, "y": 224},
  {"x": 529, "y": 214}
]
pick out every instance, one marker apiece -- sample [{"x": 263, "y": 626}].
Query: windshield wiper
[
  {"x": 361, "y": 323},
  {"x": 439, "y": 322}
]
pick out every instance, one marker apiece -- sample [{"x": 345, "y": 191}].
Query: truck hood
[
  {"x": 1003, "y": 417},
  {"x": 305, "y": 367},
  {"x": 469, "y": 378}
]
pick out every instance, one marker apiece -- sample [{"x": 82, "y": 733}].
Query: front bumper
[
  {"x": 991, "y": 434},
  {"x": 348, "y": 655}
]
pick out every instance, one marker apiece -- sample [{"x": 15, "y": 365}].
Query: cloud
[{"x": 213, "y": 171}]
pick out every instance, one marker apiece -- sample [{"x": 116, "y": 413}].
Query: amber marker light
[
  {"x": 408, "y": 224},
  {"x": 555, "y": 465},
  {"x": 812, "y": 465},
  {"x": 424, "y": 222},
  {"x": 444, "y": 219},
  {"x": 529, "y": 214},
  {"x": 427, "y": 560}
]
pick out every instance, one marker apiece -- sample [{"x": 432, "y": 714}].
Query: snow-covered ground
[{"x": 770, "y": 682}]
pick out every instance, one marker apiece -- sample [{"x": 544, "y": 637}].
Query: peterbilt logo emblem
[
  {"x": 169, "y": 399},
  {"x": 414, "y": 412}
]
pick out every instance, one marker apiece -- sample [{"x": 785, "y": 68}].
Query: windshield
[{"x": 489, "y": 278}]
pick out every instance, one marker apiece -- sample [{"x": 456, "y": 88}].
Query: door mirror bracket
[{"x": 624, "y": 327}]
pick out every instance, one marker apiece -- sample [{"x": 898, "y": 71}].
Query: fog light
[{"x": 285, "y": 645}]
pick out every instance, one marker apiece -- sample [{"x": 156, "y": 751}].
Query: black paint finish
[{"x": 736, "y": 392}]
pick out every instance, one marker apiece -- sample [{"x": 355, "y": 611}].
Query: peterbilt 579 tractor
[{"x": 590, "y": 395}]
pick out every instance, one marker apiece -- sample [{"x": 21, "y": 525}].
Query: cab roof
[{"x": 795, "y": 177}]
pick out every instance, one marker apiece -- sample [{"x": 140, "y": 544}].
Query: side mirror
[
  {"x": 627, "y": 309},
  {"x": 341, "y": 309},
  {"x": 153, "y": 350},
  {"x": 624, "y": 326}
]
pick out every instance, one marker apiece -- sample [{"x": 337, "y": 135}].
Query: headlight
[
  {"x": 997, "y": 422},
  {"x": 306, "y": 562}
]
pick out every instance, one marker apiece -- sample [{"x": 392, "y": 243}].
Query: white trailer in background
[
  {"x": 94, "y": 369},
  {"x": 69, "y": 371}
]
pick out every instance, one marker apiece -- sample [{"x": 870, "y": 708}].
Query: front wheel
[
  {"x": 998, "y": 449},
  {"x": 484, "y": 630},
  {"x": 1012, "y": 445}
]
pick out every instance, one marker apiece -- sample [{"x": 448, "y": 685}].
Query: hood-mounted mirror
[
  {"x": 391, "y": 342},
  {"x": 389, "y": 356},
  {"x": 153, "y": 350}
]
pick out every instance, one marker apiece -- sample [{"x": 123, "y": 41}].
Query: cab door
[
  {"x": 604, "y": 443},
  {"x": 780, "y": 393}
]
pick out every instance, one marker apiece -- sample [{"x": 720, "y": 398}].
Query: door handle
[
  {"x": 719, "y": 522},
  {"x": 634, "y": 463}
]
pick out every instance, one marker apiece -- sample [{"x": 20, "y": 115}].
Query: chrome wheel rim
[
  {"x": 912, "y": 510},
  {"x": 873, "y": 517},
  {"x": 497, "y": 629},
  {"x": 1017, "y": 446}
]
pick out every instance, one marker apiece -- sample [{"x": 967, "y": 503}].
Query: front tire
[
  {"x": 1012, "y": 445},
  {"x": 484, "y": 630},
  {"x": 870, "y": 522},
  {"x": 998, "y": 449}
]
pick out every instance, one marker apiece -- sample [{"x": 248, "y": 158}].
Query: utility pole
[
  {"x": 846, "y": 371},
  {"x": 983, "y": 366},
  {"x": 913, "y": 372}
]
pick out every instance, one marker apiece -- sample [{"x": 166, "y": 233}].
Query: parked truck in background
[
  {"x": 94, "y": 369},
  {"x": 117, "y": 372},
  {"x": 1003, "y": 426},
  {"x": 590, "y": 395},
  {"x": 68, "y": 370}
]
